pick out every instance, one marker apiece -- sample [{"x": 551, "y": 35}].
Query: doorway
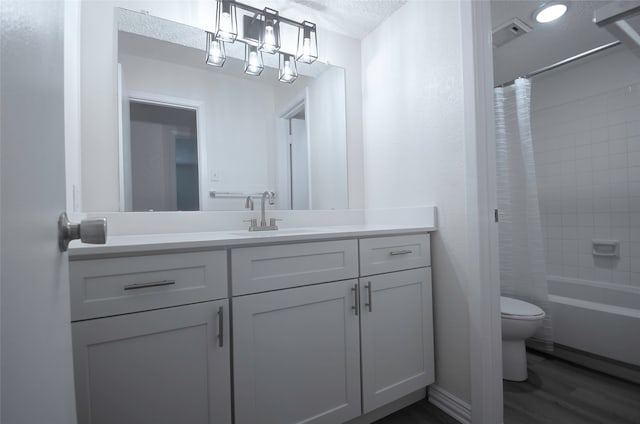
[
  {"x": 297, "y": 156},
  {"x": 163, "y": 156}
]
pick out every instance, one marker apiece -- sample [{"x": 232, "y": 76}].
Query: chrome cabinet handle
[
  {"x": 92, "y": 231},
  {"x": 137, "y": 286},
  {"x": 400, "y": 252},
  {"x": 221, "y": 326},
  {"x": 370, "y": 304},
  {"x": 356, "y": 298}
]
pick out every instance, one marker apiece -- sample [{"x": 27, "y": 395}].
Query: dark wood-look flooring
[
  {"x": 560, "y": 392},
  {"x": 419, "y": 413},
  {"x": 557, "y": 392}
]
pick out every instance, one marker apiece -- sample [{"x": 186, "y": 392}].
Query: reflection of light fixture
[
  {"x": 226, "y": 24},
  {"x": 215, "y": 54},
  {"x": 260, "y": 33},
  {"x": 307, "y": 43},
  {"x": 287, "y": 69},
  {"x": 549, "y": 12},
  {"x": 270, "y": 34},
  {"x": 253, "y": 64}
]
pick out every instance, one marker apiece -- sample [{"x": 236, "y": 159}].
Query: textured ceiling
[{"x": 355, "y": 18}]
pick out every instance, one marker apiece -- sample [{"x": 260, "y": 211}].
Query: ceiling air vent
[{"x": 509, "y": 31}]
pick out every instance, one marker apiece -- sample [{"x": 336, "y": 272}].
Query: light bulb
[
  {"x": 287, "y": 74},
  {"x": 215, "y": 53},
  {"x": 253, "y": 62},
  {"x": 306, "y": 49},
  {"x": 215, "y": 50},
  {"x": 225, "y": 22},
  {"x": 269, "y": 39}
]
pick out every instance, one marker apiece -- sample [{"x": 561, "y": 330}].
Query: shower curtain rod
[{"x": 563, "y": 62}]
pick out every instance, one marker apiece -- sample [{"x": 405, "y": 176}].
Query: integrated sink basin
[{"x": 280, "y": 232}]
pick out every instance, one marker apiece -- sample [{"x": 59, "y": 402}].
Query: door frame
[
  {"x": 175, "y": 102},
  {"x": 301, "y": 100},
  {"x": 485, "y": 333}
]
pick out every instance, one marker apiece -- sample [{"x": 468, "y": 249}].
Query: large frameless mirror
[{"x": 201, "y": 137}]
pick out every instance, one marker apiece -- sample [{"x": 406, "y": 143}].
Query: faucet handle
[
  {"x": 272, "y": 222},
  {"x": 253, "y": 223}
]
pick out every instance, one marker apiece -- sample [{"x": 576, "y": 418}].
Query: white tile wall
[{"x": 587, "y": 155}]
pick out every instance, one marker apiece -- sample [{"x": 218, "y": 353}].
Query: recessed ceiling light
[{"x": 549, "y": 12}]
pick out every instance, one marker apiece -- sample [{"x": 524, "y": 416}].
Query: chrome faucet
[
  {"x": 263, "y": 220},
  {"x": 265, "y": 195}
]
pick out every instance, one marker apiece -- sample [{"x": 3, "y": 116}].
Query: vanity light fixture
[
  {"x": 253, "y": 64},
  {"x": 215, "y": 51},
  {"x": 260, "y": 33},
  {"x": 270, "y": 34},
  {"x": 549, "y": 12},
  {"x": 307, "y": 43},
  {"x": 287, "y": 69}
]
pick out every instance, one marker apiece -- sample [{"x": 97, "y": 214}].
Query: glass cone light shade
[
  {"x": 270, "y": 32},
  {"x": 307, "y": 51},
  {"x": 215, "y": 54},
  {"x": 226, "y": 24},
  {"x": 253, "y": 64},
  {"x": 287, "y": 72}
]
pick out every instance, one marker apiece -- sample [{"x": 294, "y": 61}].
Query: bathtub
[{"x": 601, "y": 319}]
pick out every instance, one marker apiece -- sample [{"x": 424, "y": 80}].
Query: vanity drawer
[
  {"x": 113, "y": 286},
  {"x": 259, "y": 269},
  {"x": 386, "y": 254}
]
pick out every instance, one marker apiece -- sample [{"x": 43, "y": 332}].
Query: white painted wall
[
  {"x": 98, "y": 93},
  {"x": 586, "y": 137},
  {"x": 415, "y": 155},
  {"x": 327, "y": 141}
]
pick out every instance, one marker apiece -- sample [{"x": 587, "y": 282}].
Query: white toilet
[{"x": 520, "y": 320}]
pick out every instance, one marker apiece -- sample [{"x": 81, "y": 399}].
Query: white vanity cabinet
[
  {"x": 329, "y": 352},
  {"x": 324, "y": 330},
  {"x": 396, "y": 318},
  {"x": 296, "y": 349},
  {"x": 166, "y": 365},
  {"x": 297, "y": 355}
]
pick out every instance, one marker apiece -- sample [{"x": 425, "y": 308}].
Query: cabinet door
[
  {"x": 397, "y": 335},
  {"x": 163, "y": 366},
  {"x": 296, "y": 355}
]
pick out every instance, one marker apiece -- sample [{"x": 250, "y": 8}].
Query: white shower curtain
[{"x": 523, "y": 272}]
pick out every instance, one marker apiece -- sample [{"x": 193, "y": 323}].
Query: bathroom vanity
[{"x": 299, "y": 325}]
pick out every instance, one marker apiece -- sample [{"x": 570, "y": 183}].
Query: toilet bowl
[{"x": 520, "y": 320}]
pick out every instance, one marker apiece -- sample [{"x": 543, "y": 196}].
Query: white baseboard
[
  {"x": 389, "y": 408},
  {"x": 450, "y": 404}
]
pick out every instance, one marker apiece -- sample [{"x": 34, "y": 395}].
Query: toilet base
[{"x": 514, "y": 360}]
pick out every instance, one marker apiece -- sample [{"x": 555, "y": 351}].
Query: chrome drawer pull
[
  {"x": 137, "y": 286},
  {"x": 400, "y": 252},
  {"x": 356, "y": 298},
  {"x": 220, "y": 326}
]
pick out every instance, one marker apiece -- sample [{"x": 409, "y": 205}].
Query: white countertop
[{"x": 152, "y": 243}]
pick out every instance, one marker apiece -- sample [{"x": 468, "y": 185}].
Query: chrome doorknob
[{"x": 92, "y": 231}]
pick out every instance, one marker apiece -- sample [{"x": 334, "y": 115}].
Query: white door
[
  {"x": 36, "y": 371},
  {"x": 397, "y": 335},
  {"x": 296, "y": 355}
]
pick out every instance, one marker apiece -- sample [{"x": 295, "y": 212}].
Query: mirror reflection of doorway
[
  {"x": 164, "y": 157},
  {"x": 298, "y": 156}
]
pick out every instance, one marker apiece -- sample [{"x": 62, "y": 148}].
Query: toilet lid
[{"x": 515, "y": 307}]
